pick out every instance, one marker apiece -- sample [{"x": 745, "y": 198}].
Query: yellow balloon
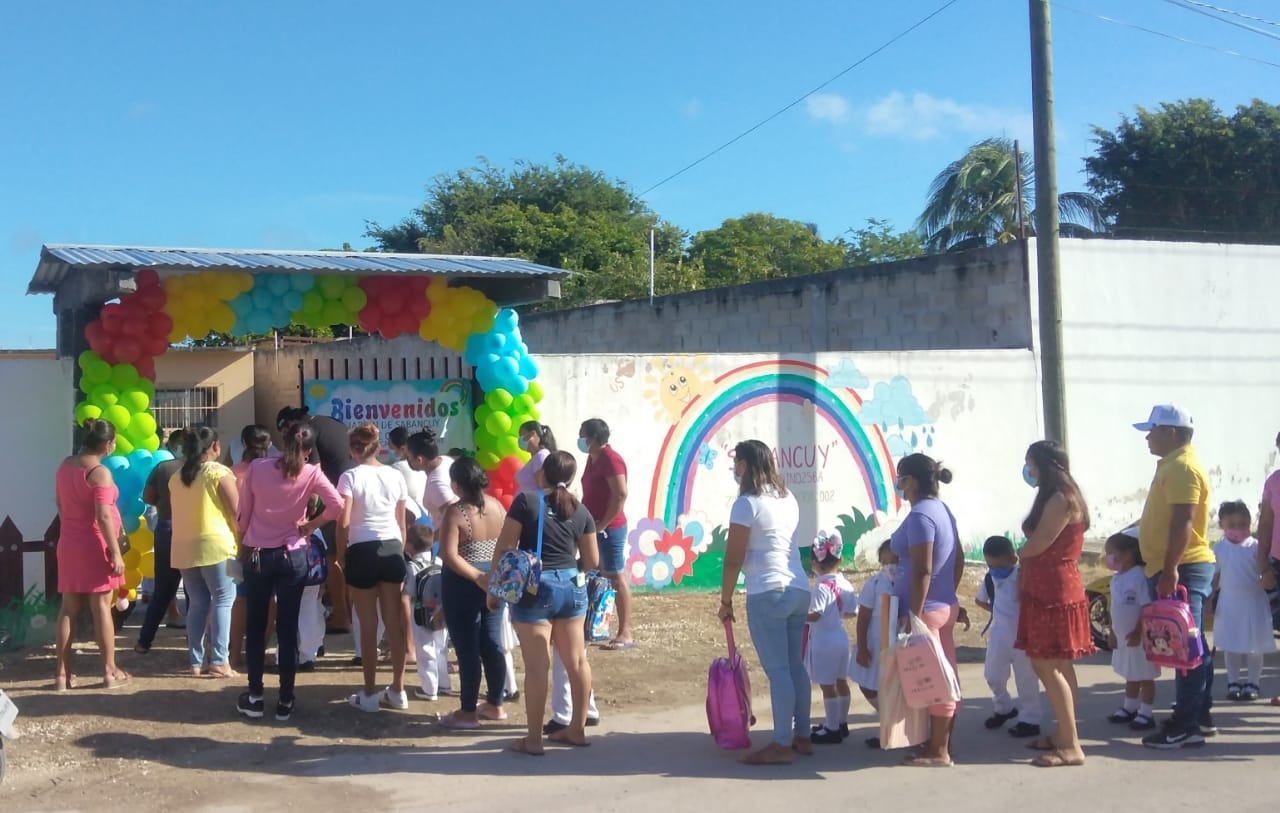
[
  {"x": 132, "y": 559},
  {"x": 148, "y": 566},
  {"x": 142, "y": 540},
  {"x": 132, "y": 578}
]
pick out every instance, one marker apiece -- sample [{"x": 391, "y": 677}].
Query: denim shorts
[
  {"x": 559, "y": 596},
  {"x": 613, "y": 548}
]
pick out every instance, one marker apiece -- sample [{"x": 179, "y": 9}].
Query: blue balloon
[
  {"x": 139, "y": 457},
  {"x": 293, "y": 301},
  {"x": 506, "y": 321},
  {"x": 130, "y": 522},
  {"x": 528, "y": 367},
  {"x": 302, "y": 282},
  {"x": 161, "y": 456},
  {"x": 278, "y": 284},
  {"x": 115, "y": 464},
  {"x": 497, "y": 341},
  {"x": 262, "y": 298},
  {"x": 518, "y": 385}
]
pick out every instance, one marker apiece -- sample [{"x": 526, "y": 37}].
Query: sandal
[
  {"x": 617, "y": 645},
  {"x": 1042, "y": 744},
  {"x": 1121, "y": 716},
  {"x": 488, "y": 711},
  {"x": 521, "y": 746},
  {"x": 561, "y": 737},
  {"x": 771, "y": 754},
  {"x": 64, "y": 683},
  {"x": 928, "y": 762},
  {"x": 452, "y": 723},
  {"x": 1055, "y": 759},
  {"x": 119, "y": 678},
  {"x": 222, "y": 671}
]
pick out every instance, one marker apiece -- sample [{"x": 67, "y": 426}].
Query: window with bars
[{"x": 175, "y": 409}]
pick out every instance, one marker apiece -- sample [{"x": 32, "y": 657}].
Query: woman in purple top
[{"x": 927, "y": 544}]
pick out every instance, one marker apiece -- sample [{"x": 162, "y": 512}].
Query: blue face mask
[
  {"x": 583, "y": 446},
  {"x": 524, "y": 444},
  {"x": 737, "y": 478},
  {"x": 1028, "y": 478},
  {"x": 1001, "y": 573},
  {"x": 897, "y": 488}
]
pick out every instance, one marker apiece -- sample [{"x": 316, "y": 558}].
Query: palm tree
[{"x": 974, "y": 201}]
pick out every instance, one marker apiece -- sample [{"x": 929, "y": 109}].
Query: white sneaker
[
  {"x": 364, "y": 702},
  {"x": 421, "y": 695},
  {"x": 394, "y": 700}
]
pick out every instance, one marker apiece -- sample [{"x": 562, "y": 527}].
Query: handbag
[
  {"x": 925, "y": 673},
  {"x": 518, "y": 571}
]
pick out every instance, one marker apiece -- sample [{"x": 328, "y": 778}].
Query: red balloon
[
  {"x": 97, "y": 337},
  {"x": 127, "y": 350},
  {"x": 135, "y": 325},
  {"x": 160, "y": 325},
  {"x": 147, "y": 278},
  {"x": 390, "y": 300},
  {"x": 146, "y": 368},
  {"x": 155, "y": 346},
  {"x": 149, "y": 299},
  {"x": 111, "y": 317}
]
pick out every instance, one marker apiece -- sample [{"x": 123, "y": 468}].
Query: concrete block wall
[{"x": 971, "y": 300}]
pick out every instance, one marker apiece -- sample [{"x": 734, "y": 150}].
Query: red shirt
[{"x": 595, "y": 484}]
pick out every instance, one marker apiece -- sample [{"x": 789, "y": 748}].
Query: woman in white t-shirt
[
  {"x": 762, "y": 546},
  {"x": 536, "y": 439},
  {"x": 437, "y": 495},
  {"x": 373, "y": 532},
  {"x": 416, "y": 481}
]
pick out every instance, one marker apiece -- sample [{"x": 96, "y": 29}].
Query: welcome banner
[{"x": 442, "y": 405}]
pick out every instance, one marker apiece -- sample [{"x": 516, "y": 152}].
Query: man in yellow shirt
[{"x": 1173, "y": 538}]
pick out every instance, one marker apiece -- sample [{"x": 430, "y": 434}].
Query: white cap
[{"x": 1166, "y": 415}]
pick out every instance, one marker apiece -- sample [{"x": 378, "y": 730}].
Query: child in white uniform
[
  {"x": 864, "y": 665},
  {"x": 1242, "y": 621},
  {"x": 430, "y": 643},
  {"x": 826, "y": 642},
  {"x": 1129, "y": 594},
  {"x": 509, "y": 642},
  {"x": 999, "y": 596}
]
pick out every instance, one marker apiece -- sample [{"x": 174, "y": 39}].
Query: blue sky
[{"x": 288, "y": 124}]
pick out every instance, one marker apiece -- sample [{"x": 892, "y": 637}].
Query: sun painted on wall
[{"x": 835, "y": 449}]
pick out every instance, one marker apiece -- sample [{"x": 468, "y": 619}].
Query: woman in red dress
[
  {"x": 1053, "y": 623},
  {"x": 90, "y": 565}
]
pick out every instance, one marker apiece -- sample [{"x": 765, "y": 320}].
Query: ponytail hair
[
  {"x": 196, "y": 443},
  {"x": 471, "y": 481},
  {"x": 257, "y": 442},
  {"x": 424, "y": 444},
  {"x": 546, "y": 439},
  {"x": 299, "y": 443},
  {"x": 558, "y": 469}
]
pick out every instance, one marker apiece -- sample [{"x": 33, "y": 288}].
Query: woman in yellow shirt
[{"x": 205, "y": 502}]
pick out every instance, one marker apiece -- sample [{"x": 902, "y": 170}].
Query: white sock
[
  {"x": 832, "y": 707},
  {"x": 1146, "y": 711},
  {"x": 845, "y": 700},
  {"x": 1235, "y": 667},
  {"x": 1253, "y": 662},
  {"x": 1131, "y": 704}
]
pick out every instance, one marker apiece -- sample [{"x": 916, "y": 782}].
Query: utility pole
[{"x": 1048, "y": 266}]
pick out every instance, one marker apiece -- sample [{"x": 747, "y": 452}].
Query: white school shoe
[
  {"x": 364, "y": 702},
  {"x": 393, "y": 700}
]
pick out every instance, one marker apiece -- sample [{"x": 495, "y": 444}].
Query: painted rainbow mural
[{"x": 752, "y": 385}]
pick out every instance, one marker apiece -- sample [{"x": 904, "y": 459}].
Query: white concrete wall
[
  {"x": 975, "y": 410},
  {"x": 1147, "y": 323}
]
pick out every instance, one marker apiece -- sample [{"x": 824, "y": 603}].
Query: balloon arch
[{"x": 118, "y": 372}]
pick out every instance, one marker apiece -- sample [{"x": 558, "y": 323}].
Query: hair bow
[{"x": 827, "y": 546}]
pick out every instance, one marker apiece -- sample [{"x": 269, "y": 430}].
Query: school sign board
[{"x": 442, "y": 405}]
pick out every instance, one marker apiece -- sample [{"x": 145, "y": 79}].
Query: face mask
[
  {"x": 1237, "y": 535},
  {"x": 583, "y": 446},
  {"x": 897, "y": 488},
  {"x": 890, "y": 570},
  {"x": 524, "y": 444},
  {"x": 737, "y": 478},
  {"x": 1027, "y": 476},
  {"x": 1001, "y": 573},
  {"x": 1112, "y": 562}
]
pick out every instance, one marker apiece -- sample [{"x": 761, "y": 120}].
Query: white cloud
[
  {"x": 827, "y": 107},
  {"x": 923, "y": 117}
]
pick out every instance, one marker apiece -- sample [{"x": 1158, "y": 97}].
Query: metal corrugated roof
[{"x": 58, "y": 261}]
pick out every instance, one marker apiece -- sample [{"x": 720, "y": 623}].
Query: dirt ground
[{"x": 166, "y": 738}]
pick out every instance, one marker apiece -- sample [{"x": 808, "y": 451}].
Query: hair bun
[{"x": 944, "y": 475}]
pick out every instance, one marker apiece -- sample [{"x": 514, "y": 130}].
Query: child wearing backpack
[
  {"x": 864, "y": 666},
  {"x": 826, "y": 642},
  {"x": 1129, "y": 594},
  {"x": 422, "y": 590},
  {"x": 1242, "y": 621},
  {"x": 999, "y": 596}
]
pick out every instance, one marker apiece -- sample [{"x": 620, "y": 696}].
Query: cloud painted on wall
[
  {"x": 847, "y": 375},
  {"x": 892, "y": 403}
]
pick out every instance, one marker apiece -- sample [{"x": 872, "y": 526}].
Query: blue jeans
[
  {"x": 559, "y": 596},
  {"x": 613, "y": 549},
  {"x": 166, "y": 586},
  {"x": 1193, "y": 691},
  {"x": 281, "y": 573},
  {"x": 210, "y": 593},
  {"x": 476, "y": 634},
  {"x": 776, "y": 621}
]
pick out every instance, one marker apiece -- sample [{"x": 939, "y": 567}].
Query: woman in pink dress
[{"x": 90, "y": 562}]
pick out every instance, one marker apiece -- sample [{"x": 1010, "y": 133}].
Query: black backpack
[{"x": 426, "y": 597}]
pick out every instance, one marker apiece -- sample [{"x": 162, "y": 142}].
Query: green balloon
[
  {"x": 104, "y": 395},
  {"x": 86, "y": 411},
  {"x": 354, "y": 298},
  {"x": 124, "y": 376},
  {"x": 98, "y": 371},
  {"x": 85, "y": 358},
  {"x": 312, "y": 304},
  {"x": 499, "y": 399},
  {"x": 334, "y": 314},
  {"x": 331, "y": 285},
  {"x": 135, "y": 400}
]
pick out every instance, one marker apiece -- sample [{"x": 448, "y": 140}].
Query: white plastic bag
[
  {"x": 901, "y": 726},
  {"x": 927, "y": 677}
]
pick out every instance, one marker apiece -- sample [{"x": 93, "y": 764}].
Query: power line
[
  {"x": 1194, "y": 10},
  {"x": 1165, "y": 35},
  {"x": 900, "y": 35},
  {"x": 1242, "y": 15}
]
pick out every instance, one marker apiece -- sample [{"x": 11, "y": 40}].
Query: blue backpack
[
  {"x": 317, "y": 561},
  {"x": 602, "y": 601},
  {"x": 519, "y": 571}
]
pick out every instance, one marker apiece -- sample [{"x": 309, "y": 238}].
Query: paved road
[{"x": 667, "y": 762}]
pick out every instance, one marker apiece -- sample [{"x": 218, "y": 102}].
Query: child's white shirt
[
  {"x": 830, "y": 597},
  {"x": 1130, "y": 592},
  {"x": 875, "y": 587},
  {"x": 1004, "y": 609}
]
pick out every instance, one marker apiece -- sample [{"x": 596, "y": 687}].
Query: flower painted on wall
[{"x": 659, "y": 557}]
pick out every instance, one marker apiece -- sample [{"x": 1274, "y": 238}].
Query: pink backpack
[
  {"x": 729, "y": 698},
  {"x": 1170, "y": 636}
]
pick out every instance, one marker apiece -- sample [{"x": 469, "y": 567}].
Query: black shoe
[
  {"x": 1233, "y": 691},
  {"x": 1022, "y": 730},
  {"x": 1122, "y": 716},
  {"x": 511, "y": 696},
  {"x": 253, "y": 709},
  {"x": 997, "y": 720},
  {"x": 873, "y": 742},
  {"x": 844, "y": 731},
  {"x": 284, "y": 710},
  {"x": 1249, "y": 693},
  {"x": 1142, "y": 722},
  {"x": 552, "y": 727},
  {"x": 357, "y": 661},
  {"x": 320, "y": 652},
  {"x": 825, "y": 736},
  {"x": 1207, "y": 728},
  {"x": 1173, "y": 738},
  {"x": 271, "y": 669},
  {"x": 593, "y": 721},
  {"x": 307, "y": 666}
]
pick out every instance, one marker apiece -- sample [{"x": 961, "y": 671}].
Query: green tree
[
  {"x": 1187, "y": 171},
  {"x": 973, "y": 202},
  {"x": 560, "y": 214},
  {"x": 877, "y": 242},
  {"x": 760, "y": 246}
]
